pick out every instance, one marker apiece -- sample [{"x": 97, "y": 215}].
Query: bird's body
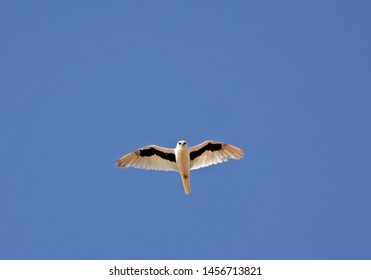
[
  {"x": 181, "y": 159},
  {"x": 184, "y": 164}
]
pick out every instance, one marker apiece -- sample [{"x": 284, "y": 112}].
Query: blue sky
[{"x": 85, "y": 82}]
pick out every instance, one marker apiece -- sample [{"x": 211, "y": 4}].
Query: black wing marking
[
  {"x": 151, "y": 158},
  {"x": 152, "y": 151},
  {"x": 212, "y": 147}
]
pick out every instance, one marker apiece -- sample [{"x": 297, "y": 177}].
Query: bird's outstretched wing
[
  {"x": 210, "y": 152},
  {"x": 150, "y": 157}
]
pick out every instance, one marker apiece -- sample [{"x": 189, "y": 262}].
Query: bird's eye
[{"x": 179, "y": 143}]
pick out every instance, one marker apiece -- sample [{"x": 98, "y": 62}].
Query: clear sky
[{"x": 84, "y": 82}]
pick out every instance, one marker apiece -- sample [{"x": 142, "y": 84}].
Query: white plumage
[{"x": 181, "y": 159}]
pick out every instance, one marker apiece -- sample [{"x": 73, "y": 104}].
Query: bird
[{"x": 181, "y": 159}]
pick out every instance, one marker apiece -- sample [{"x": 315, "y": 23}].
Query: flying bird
[{"x": 181, "y": 159}]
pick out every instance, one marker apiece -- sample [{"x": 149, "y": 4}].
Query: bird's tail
[{"x": 186, "y": 183}]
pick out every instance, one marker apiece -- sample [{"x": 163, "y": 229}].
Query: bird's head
[{"x": 181, "y": 144}]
